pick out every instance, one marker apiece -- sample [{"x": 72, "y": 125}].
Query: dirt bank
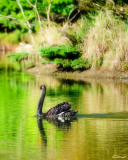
[{"x": 91, "y": 73}]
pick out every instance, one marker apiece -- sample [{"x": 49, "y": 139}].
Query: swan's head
[{"x": 42, "y": 87}]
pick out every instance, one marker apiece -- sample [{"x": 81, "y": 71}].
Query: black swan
[{"x": 62, "y": 109}]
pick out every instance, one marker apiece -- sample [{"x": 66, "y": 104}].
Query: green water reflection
[{"x": 99, "y": 131}]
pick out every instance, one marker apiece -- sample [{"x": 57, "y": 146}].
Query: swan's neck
[{"x": 40, "y": 104}]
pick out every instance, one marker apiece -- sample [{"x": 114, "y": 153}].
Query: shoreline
[{"x": 52, "y": 70}]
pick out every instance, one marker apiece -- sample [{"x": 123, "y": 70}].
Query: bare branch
[
  {"x": 35, "y": 7},
  {"x": 69, "y": 20},
  {"x": 20, "y": 21},
  {"x": 23, "y": 14},
  {"x": 31, "y": 4},
  {"x": 29, "y": 26},
  {"x": 74, "y": 16},
  {"x": 48, "y": 12},
  {"x": 44, "y": 5}
]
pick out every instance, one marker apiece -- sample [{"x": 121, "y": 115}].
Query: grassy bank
[
  {"x": 106, "y": 43},
  {"x": 98, "y": 42},
  {"x": 101, "y": 39}
]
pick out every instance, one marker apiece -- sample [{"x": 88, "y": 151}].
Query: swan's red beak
[{"x": 39, "y": 89}]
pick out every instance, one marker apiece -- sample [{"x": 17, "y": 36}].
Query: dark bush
[
  {"x": 61, "y": 51},
  {"x": 64, "y": 55}
]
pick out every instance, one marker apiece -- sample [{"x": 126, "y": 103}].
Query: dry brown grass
[
  {"x": 51, "y": 36},
  {"x": 106, "y": 44}
]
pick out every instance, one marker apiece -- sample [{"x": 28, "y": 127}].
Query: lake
[{"x": 98, "y": 132}]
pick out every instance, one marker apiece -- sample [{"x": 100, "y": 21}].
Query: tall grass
[
  {"x": 51, "y": 36},
  {"x": 80, "y": 29},
  {"x": 55, "y": 35},
  {"x": 106, "y": 44}
]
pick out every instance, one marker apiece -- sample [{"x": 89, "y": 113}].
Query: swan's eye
[{"x": 40, "y": 88}]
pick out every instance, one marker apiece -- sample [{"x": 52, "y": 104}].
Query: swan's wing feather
[
  {"x": 69, "y": 113},
  {"x": 62, "y": 107}
]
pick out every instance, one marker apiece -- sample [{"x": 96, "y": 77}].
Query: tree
[{"x": 11, "y": 16}]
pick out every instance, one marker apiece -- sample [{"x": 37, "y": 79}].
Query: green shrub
[
  {"x": 64, "y": 55},
  {"x": 65, "y": 63},
  {"x": 73, "y": 64},
  {"x": 61, "y": 51},
  {"x": 80, "y": 29},
  {"x": 80, "y": 64},
  {"x": 18, "y": 56}
]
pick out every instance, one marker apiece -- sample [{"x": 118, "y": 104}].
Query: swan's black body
[{"x": 62, "y": 109}]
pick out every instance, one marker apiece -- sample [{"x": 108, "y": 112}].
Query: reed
[
  {"x": 50, "y": 36},
  {"x": 106, "y": 43}
]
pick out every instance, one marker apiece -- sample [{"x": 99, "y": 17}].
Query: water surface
[{"x": 99, "y": 131}]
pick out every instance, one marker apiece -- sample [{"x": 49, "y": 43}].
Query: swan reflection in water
[{"x": 62, "y": 123}]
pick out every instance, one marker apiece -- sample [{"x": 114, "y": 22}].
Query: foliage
[
  {"x": 118, "y": 7},
  {"x": 12, "y": 18},
  {"x": 61, "y": 51},
  {"x": 18, "y": 56},
  {"x": 12, "y": 38},
  {"x": 92, "y": 5},
  {"x": 71, "y": 34},
  {"x": 73, "y": 64},
  {"x": 80, "y": 29},
  {"x": 80, "y": 64},
  {"x": 64, "y": 55},
  {"x": 7, "y": 65},
  {"x": 121, "y": 2}
]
